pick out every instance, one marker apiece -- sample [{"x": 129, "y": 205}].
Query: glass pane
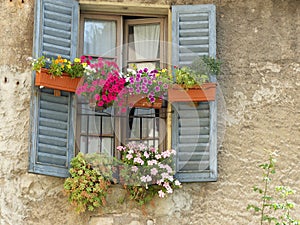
[
  {"x": 135, "y": 131},
  {"x": 94, "y": 144},
  {"x": 107, "y": 146},
  {"x": 107, "y": 125},
  {"x": 93, "y": 124},
  {"x": 144, "y": 41},
  {"x": 83, "y": 145},
  {"x": 100, "y": 38}
]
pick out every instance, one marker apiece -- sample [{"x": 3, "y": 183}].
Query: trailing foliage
[
  {"x": 273, "y": 210},
  {"x": 91, "y": 177}
]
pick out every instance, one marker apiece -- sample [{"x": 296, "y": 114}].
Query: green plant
[
  {"x": 207, "y": 65},
  {"x": 58, "y": 66},
  {"x": 91, "y": 177},
  {"x": 270, "y": 206},
  {"x": 198, "y": 73}
]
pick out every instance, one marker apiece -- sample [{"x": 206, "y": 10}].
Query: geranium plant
[
  {"x": 150, "y": 84},
  {"x": 146, "y": 172},
  {"x": 58, "y": 66},
  {"x": 90, "y": 178},
  {"x": 103, "y": 83}
]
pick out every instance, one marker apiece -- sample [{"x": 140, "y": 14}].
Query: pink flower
[
  {"x": 154, "y": 171},
  {"x": 97, "y": 97},
  {"x": 146, "y": 155},
  {"x": 134, "y": 168},
  {"x": 158, "y": 156},
  {"x": 161, "y": 194}
]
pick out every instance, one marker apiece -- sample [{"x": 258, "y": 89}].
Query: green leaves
[
  {"x": 270, "y": 206},
  {"x": 89, "y": 182}
]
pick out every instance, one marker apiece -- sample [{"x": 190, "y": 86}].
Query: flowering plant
[
  {"x": 150, "y": 84},
  {"x": 60, "y": 65},
  {"x": 147, "y": 172},
  {"x": 103, "y": 83},
  {"x": 198, "y": 73}
]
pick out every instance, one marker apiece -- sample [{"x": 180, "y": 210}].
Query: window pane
[
  {"x": 100, "y": 38},
  {"x": 144, "y": 41},
  {"x": 144, "y": 126}
]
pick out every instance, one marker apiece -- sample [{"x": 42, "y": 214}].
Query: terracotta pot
[
  {"x": 63, "y": 83},
  {"x": 140, "y": 101},
  {"x": 205, "y": 92}
]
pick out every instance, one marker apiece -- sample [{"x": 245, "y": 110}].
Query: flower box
[
  {"x": 205, "y": 92},
  {"x": 63, "y": 83},
  {"x": 140, "y": 101}
]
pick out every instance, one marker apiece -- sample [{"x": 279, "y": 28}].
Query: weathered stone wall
[{"x": 258, "y": 42}]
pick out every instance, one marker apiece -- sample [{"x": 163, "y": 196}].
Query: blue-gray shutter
[
  {"x": 52, "y": 128},
  {"x": 194, "y": 127}
]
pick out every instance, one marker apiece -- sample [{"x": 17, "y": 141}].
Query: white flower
[{"x": 177, "y": 183}]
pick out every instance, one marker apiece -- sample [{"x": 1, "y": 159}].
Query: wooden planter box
[
  {"x": 205, "y": 92},
  {"x": 63, "y": 83},
  {"x": 142, "y": 102}
]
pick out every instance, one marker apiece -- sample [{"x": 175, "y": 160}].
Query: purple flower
[
  {"x": 131, "y": 90},
  {"x": 157, "y": 88}
]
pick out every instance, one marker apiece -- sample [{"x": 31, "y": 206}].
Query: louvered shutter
[
  {"x": 194, "y": 126},
  {"x": 52, "y": 128}
]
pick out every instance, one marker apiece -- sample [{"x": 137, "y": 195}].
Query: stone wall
[{"x": 258, "y": 42}]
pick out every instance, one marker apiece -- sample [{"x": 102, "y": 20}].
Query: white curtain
[
  {"x": 146, "y": 43},
  {"x": 99, "y": 38}
]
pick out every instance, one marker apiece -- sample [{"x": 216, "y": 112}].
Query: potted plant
[
  {"x": 103, "y": 84},
  {"x": 147, "y": 172},
  {"x": 59, "y": 73},
  {"x": 91, "y": 176},
  {"x": 192, "y": 83},
  {"x": 146, "y": 89}
]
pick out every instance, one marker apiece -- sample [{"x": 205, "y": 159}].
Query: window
[
  {"x": 140, "y": 41},
  {"x": 62, "y": 125}
]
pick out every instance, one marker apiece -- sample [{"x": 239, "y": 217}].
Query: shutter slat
[
  {"x": 191, "y": 166},
  {"x": 192, "y": 123},
  {"x": 64, "y": 9},
  {"x": 194, "y": 114},
  {"x": 193, "y": 48},
  {"x": 195, "y": 131},
  {"x": 56, "y": 41},
  {"x": 193, "y": 156},
  {"x": 56, "y": 33},
  {"x": 194, "y": 139},
  {"x": 50, "y": 114},
  {"x": 62, "y": 133},
  {"x": 194, "y": 16},
  {"x": 57, "y": 25},
  {"x": 56, "y": 150},
  {"x": 63, "y": 108},
  {"x": 193, "y": 147},
  {"x": 53, "y": 123},
  {"x": 55, "y": 141},
  {"x": 63, "y": 52},
  {"x": 52, "y": 159},
  {"x": 194, "y": 33}
]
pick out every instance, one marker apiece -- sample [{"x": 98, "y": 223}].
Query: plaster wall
[{"x": 258, "y": 43}]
